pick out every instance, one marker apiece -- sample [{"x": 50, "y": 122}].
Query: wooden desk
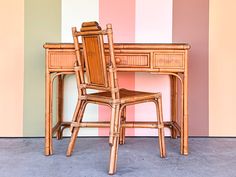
[{"x": 170, "y": 59}]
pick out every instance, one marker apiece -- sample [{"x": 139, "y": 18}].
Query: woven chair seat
[{"x": 126, "y": 96}]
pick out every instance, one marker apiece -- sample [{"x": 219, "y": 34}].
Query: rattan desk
[{"x": 169, "y": 59}]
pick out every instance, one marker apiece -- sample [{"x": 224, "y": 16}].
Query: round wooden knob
[{"x": 118, "y": 60}]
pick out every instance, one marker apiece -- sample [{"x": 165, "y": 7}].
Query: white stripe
[
  {"x": 74, "y": 12},
  {"x": 153, "y": 21},
  {"x": 153, "y": 25}
]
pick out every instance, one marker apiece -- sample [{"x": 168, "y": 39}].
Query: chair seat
[{"x": 126, "y": 96}]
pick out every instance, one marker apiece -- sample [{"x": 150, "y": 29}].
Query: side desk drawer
[
  {"x": 168, "y": 60},
  {"x": 132, "y": 60},
  {"x": 61, "y": 59}
]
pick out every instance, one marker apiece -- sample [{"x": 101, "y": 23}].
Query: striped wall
[
  {"x": 201, "y": 23},
  {"x": 128, "y": 27}
]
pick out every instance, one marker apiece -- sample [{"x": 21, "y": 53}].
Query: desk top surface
[{"x": 171, "y": 46}]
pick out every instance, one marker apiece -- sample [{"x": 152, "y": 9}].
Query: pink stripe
[
  {"x": 152, "y": 31},
  {"x": 147, "y": 112},
  {"x": 191, "y": 25},
  {"x": 121, "y": 14}
]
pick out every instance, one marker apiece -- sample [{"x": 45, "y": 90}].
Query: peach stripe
[
  {"x": 11, "y": 68},
  {"x": 222, "y": 83},
  {"x": 147, "y": 111},
  {"x": 121, "y": 13}
]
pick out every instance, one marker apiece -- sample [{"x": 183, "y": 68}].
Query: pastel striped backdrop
[{"x": 27, "y": 24}]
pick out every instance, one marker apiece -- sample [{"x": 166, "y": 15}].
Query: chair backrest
[{"x": 100, "y": 74}]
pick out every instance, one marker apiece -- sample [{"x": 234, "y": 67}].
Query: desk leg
[
  {"x": 174, "y": 104},
  {"x": 48, "y": 116},
  {"x": 184, "y": 149},
  {"x": 60, "y": 90}
]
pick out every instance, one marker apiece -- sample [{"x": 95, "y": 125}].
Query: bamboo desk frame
[{"x": 169, "y": 59}]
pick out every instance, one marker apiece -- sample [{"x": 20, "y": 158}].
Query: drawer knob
[{"x": 118, "y": 60}]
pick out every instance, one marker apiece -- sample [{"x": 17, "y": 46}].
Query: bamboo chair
[{"x": 94, "y": 72}]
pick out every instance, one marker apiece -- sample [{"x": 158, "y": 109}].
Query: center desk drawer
[
  {"x": 165, "y": 59},
  {"x": 132, "y": 60},
  {"x": 66, "y": 59}
]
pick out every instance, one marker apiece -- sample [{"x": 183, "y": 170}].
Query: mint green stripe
[{"x": 42, "y": 24}]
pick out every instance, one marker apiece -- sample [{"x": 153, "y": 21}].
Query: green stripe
[{"x": 42, "y": 24}]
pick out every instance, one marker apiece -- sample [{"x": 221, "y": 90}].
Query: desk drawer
[
  {"x": 66, "y": 60},
  {"x": 61, "y": 59},
  {"x": 168, "y": 60},
  {"x": 132, "y": 60}
]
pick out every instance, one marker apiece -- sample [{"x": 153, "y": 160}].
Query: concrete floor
[{"x": 23, "y": 157}]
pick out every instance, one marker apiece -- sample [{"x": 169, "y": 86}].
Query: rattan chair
[{"x": 96, "y": 69}]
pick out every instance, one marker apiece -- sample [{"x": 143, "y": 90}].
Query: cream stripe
[{"x": 74, "y": 12}]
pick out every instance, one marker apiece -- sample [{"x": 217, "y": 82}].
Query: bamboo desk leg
[
  {"x": 48, "y": 124},
  {"x": 174, "y": 104},
  {"x": 60, "y": 86},
  {"x": 185, "y": 114}
]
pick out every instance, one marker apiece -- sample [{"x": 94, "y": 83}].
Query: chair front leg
[
  {"x": 122, "y": 129},
  {"x": 114, "y": 138},
  {"x": 160, "y": 127},
  {"x": 77, "y": 118}
]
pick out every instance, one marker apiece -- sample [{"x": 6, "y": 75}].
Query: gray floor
[{"x": 138, "y": 157}]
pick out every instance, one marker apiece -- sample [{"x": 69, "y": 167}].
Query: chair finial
[{"x": 109, "y": 26}]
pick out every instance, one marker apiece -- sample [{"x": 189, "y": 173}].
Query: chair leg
[
  {"x": 59, "y": 134},
  {"x": 122, "y": 129},
  {"x": 78, "y": 115},
  {"x": 77, "y": 109},
  {"x": 113, "y": 157},
  {"x": 161, "y": 128},
  {"x": 72, "y": 141},
  {"x": 114, "y": 137}
]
